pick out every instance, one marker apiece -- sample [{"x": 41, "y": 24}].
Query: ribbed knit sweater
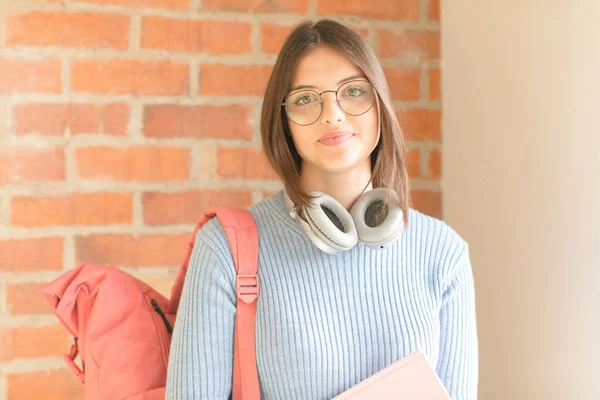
[{"x": 326, "y": 322}]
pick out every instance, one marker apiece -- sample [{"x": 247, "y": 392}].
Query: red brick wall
[{"x": 121, "y": 120}]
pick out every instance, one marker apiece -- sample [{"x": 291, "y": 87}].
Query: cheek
[
  {"x": 370, "y": 123},
  {"x": 299, "y": 137}
]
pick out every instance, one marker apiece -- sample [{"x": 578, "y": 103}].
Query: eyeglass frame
[{"x": 336, "y": 100}]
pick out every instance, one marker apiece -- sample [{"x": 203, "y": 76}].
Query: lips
[{"x": 335, "y": 138}]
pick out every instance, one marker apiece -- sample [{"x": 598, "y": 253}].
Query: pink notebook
[{"x": 409, "y": 378}]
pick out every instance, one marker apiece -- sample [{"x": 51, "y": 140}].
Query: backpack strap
[
  {"x": 243, "y": 240},
  {"x": 242, "y": 234}
]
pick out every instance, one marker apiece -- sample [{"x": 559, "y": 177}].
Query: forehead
[{"x": 323, "y": 67}]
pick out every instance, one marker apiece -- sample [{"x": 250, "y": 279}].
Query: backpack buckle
[{"x": 246, "y": 287}]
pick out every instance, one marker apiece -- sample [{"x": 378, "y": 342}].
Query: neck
[{"x": 346, "y": 187}]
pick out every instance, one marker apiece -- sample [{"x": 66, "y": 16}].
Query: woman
[{"x": 334, "y": 307}]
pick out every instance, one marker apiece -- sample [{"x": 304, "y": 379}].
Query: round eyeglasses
[{"x": 305, "y": 107}]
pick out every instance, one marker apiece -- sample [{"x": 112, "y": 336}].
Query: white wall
[{"x": 521, "y": 160}]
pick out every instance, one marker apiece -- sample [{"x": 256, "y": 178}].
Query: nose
[{"x": 332, "y": 113}]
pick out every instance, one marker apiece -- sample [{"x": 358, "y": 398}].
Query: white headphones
[{"x": 333, "y": 229}]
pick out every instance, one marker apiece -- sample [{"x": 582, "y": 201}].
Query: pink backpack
[{"x": 122, "y": 327}]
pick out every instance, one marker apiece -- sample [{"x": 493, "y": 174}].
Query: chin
[{"x": 335, "y": 167}]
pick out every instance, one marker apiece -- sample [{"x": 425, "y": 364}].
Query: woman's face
[{"x": 352, "y": 138}]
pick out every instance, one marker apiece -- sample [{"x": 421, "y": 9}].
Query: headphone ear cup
[
  {"x": 331, "y": 224},
  {"x": 378, "y": 224}
]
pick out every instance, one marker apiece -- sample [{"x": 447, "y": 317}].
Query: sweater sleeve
[
  {"x": 201, "y": 357},
  {"x": 459, "y": 356}
]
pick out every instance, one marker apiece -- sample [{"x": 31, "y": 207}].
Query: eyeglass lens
[{"x": 304, "y": 107}]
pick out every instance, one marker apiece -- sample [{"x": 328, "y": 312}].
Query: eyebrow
[{"x": 350, "y": 78}]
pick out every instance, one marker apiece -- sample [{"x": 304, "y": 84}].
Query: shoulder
[
  {"x": 213, "y": 235},
  {"x": 433, "y": 237}
]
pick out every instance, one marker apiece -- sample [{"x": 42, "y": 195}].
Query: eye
[
  {"x": 355, "y": 91},
  {"x": 304, "y": 99}
]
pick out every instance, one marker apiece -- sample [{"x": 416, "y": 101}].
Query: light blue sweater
[{"x": 326, "y": 322}]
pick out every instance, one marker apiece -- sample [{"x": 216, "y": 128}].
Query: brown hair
[{"x": 388, "y": 159}]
